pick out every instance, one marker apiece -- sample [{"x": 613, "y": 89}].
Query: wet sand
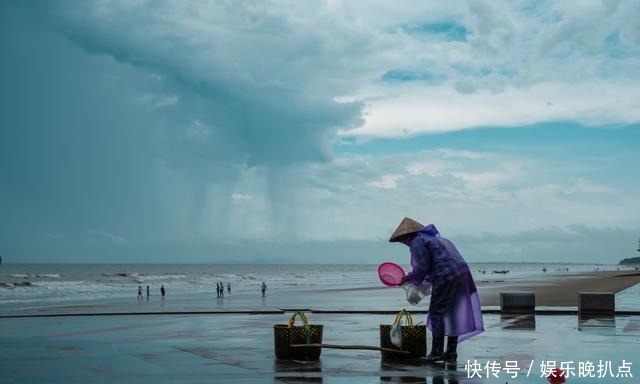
[
  {"x": 239, "y": 349},
  {"x": 560, "y": 290}
]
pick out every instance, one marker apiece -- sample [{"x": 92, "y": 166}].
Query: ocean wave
[
  {"x": 120, "y": 274},
  {"x": 32, "y": 276},
  {"x": 17, "y": 284},
  {"x": 18, "y": 276},
  {"x": 135, "y": 277},
  {"x": 162, "y": 277}
]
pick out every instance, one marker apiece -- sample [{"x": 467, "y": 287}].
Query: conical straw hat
[{"x": 407, "y": 226}]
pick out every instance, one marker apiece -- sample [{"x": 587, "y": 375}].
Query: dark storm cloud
[{"x": 120, "y": 128}]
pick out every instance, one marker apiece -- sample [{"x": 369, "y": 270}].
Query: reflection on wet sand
[
  {"x": 601, "y": 324},
  {"x": 441, "y": 380},
  {"x": 404, "y": 371},
  {"x": 298, "y": 371},
  {"x": 438, "y": 379},
  {"x": 519, "y": 322}
]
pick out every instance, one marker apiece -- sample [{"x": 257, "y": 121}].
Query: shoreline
[{"x": 552, "y": 291}]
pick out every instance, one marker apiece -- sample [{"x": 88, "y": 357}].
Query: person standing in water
[
  {"x": 221, "y": 290},
  {"x": 454, "y": 308},
  {"x": 218, "y": 290},
  {"x": 139, "y": 292},
  {"x": 264, "y": 288},
  {"x": 148, "y": 293},
  {"x": 162, "y": 291},
  {"x": 228, "y": 288}
]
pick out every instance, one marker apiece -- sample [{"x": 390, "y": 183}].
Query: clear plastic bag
[
  {"x": 415, "y": 293},
  {"x": 395, "y": 334}
]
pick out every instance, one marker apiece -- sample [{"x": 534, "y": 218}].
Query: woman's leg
[
  {"x": 452, "y": 349},
  {"x": 437, "y": 337},
  {"x": 443, "y": 296}
]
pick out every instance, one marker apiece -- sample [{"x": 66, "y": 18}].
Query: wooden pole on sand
[{"x": 336, "y": 346}]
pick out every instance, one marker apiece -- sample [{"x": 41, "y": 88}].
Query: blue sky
[{"x": 204, "y": 131}]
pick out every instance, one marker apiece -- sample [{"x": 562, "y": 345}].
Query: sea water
[{"x": 76, "y": 282}]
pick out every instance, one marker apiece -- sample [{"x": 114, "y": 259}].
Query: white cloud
[
  {"x": 431, "y": 168},
  {"x": 520, "y": 65},
  {"x": 387, "y": 182},
  {"x": 241, "y": 197},
  {"x": 569, "y": 190},
  {"x": 586, "y": 186},
  {"x": 499, "y": 193},
  {"x": 439, "y": 109},
  {"x": 447, "y": 153},
  {"x": 482, "y": 179}
]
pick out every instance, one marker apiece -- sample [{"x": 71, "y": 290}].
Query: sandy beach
[{"x": 560, "y": 290}]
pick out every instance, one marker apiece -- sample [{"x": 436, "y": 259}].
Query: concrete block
[
  {"x": 520, "y": 302},
  {"x": 596, "y": 302}
]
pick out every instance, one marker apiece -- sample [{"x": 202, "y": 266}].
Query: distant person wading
[{"x": 264, "y": 288}]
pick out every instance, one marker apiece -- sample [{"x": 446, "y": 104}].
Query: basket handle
[
  {"x": 305, "y": 324},
  {"x": 405, "y": 314},
  {"x": 303, "y": 317}
]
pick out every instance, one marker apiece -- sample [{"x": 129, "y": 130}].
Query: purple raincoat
[{"x": 454, "y": 309}]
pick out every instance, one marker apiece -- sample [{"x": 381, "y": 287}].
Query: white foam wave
[{"x": 31, "y": 276}]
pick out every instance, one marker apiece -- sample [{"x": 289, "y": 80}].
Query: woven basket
[
  {"x": 413, "y": 338},
  {"x": 286, "y": 334}
]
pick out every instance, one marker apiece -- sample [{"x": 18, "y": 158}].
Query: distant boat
[{"x": 503, "y": 272}]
